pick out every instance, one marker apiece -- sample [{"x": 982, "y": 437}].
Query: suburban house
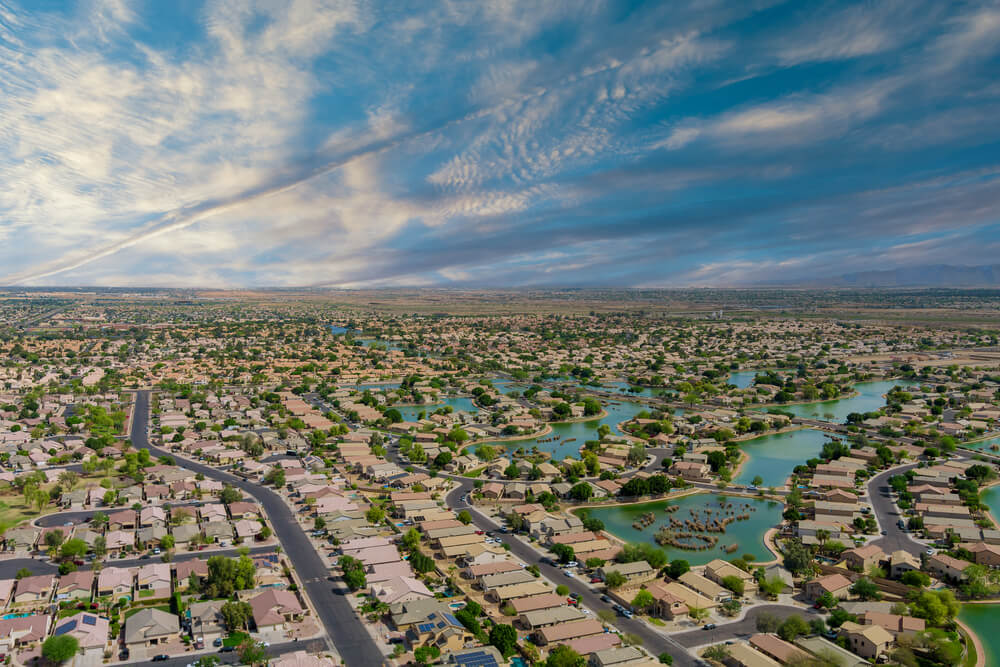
[
  {"x": 868, "y": 641},
  {"x": 77, "y": 585},
  {"x": 34, "y": 591},
  {"x": 22, "y": 630},
  {"x": 150, "y": 627},
  {"x": 206, "y": 620},
  {"x": 274, "y": 609},
  {"x": 836, "y": 585},
  {"x": 115, "y": 582},
  {"x": 90, "y": 630}
]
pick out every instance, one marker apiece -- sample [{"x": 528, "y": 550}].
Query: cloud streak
[{"x": 328, "y": 142}]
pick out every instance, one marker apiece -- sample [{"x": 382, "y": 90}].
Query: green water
[
  {"x": 458, "y": 403},
  {"x": 984, "y": 620},
  {"x": 749, "y": 534},
  {"x": 773, "y": 457},
  {"x": 870, "y": 397},
  {"x": 577, "y": 433}
]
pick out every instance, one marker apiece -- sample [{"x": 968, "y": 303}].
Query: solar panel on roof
[
  {"x": 425, "y": 627},
  {"x": 433, "y": 615},
  {"x": 477, "y": 659},
  {"x": 451, "y": 619},
  {"x": 441, "y": 624},
  {"x": 69, "y": 627}
]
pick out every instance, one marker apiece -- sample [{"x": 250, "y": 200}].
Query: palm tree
[{"x": 822, "y": 535}]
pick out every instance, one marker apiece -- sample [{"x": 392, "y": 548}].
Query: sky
[{"x": 252, "y": 143}]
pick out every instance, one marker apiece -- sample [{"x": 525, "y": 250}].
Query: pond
[
  {"x": 340, "y": 331},
  {"x": 870, "y": 397},
  {"x": 748, "y": 535},
  {"x": 984, "y": 619},
  {"x": 387, "y": 344},
  {"x": 458, "y": 403},
  {"x": 774, "y": 456},
  {"x": 625, "y": 389},
  {"x": 744, "y": 379},
  {"x": 566, "y": 439}
]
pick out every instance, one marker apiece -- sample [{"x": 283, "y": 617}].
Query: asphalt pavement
[
  {"x": 343, "y": 626},
  {"x": 740, "y": 629},
  {"x": 653, "y": 641}
]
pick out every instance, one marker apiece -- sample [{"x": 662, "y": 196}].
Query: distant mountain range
[{"x": 930, "y": 275}]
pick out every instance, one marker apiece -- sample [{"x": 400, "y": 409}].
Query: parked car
[
  {"x": 217, "y": 641},
  {"x": 595, "y": 580},
  {"x": 161, "y": 657},
  {"x": 568, "y": 573},
  {"x": 708, "y": 626},
  {"x": 605, "y": 598},
  {"x": 227, "y": 649}
]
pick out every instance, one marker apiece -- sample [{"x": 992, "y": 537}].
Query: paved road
[
  {"x": 233, "y": 658},
  {"x": 896, "y": 538},
  {"x": 342, "y": 625},
  {"x": 83, "y": 516},
  {"x": 742, "y": 628},
  {"x": 652, "y": 640}
]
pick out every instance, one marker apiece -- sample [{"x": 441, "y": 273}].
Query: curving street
[{"x": 342, "y": 625}]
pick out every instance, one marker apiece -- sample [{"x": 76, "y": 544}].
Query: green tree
[
  {"x": 236, "y": 615},
  {"x": 465, "y": 517},
  {"x": 563, "y": 656},
  {"x": 792, "y": 627},
  {"x": 411, "y": 540},
  {"x": 504, "y": 638},
  {"x": 60, "y": 648},
  {"x": 581, "y": 492},
  {"x": 564, "y": 552},
  {"x": 229, "y": 495},
  {"x": 935, "y": 607},
  {"x": 75, "y": 548},
  {"x": 643, "y": 601},
  {"x": 734, "y": 584},
  {"x": 252, "y": 653},
  {"x": 424, "y": 654},
  {"x": 866, "y": 589},
  {"x": 614, "y": 579},
  {"x": 678, "y": 567},
  {"x": 772, "y": 586},
  {"x": 228, "y": 575}
]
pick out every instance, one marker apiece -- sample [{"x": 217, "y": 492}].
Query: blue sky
[{"x": 353, "y": 144}]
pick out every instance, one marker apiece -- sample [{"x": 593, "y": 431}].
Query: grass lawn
[
  {"x": 970, "y": 650},
  {"x": 145, "y": 594},
  {"x": 66, "y": 613},
  {"x": 655, "y": 621},
  {"x": 13, "y": 511},
  {"x": 235, "y": 639},
  {"x": 474, "y": 473}
]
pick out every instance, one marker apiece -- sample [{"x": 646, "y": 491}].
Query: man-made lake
[
  {"x": 748, "y": 535},
  {"x": 625, "y": 389},
  {"x": 566, "y": 439},
  {"x": 458, "y": 403},
  {"x": 984, "y": 619},
  {"x": 870, "y": 397},
  {"x": 773, "y": 457}
]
